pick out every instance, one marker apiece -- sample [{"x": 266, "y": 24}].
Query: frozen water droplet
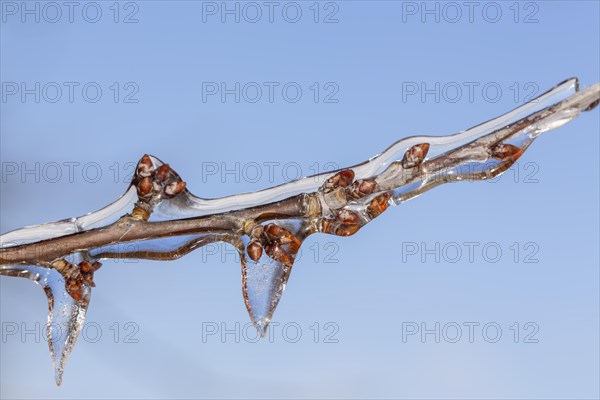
[
  {"x": 263, "y": 284},
  {"x": 264, "y": 280},
  {"x": 65, "y": 314}
]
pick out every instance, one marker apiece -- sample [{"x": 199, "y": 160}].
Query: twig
[{"x": 268, "y": 227}]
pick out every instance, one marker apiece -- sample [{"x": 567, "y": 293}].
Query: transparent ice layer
[
  {"x": 264, "y": 280},
  {"x": 65, "y": 314},
  {"x": 158, "y": 218},
  {"x": 188, "y": 205}
]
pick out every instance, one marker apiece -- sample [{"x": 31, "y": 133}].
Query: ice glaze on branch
[{"x": 159, "y": 219}]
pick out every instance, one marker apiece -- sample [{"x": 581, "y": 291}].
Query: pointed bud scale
[
  {"x": 346, "y": 177},
  {"x": 275, "y": 234},
  {"x": 174, "y": 188},
  {"x": 506, "y": 152},
  {"x": 415, "y": 155},
  {"x": 88, "y": 279},
  {"x": 162, "y": 173},
  {"x": 74, "y": 289},
  {"x": 592, "y": 105},
  {"x": 277, "y": 253},
  {"x": 144, "y": 187},
  {"x": 335, "y": 227},
  {"x": 348, "y": 217},
  {"x": 272, "y": 232},
  {"x": 145, "y": 167},
  {"x": 378, "y": 205},
  {"x": 254, "y": 250},
  {"x": 362, "y": 188},
  {"x": 289, "y": 238},
  {"x": 86, "y": 267},
  {"x": 327, "y": 225},
  {"x": 347, "y": 230},
  {"x": 341, "y": 179}
]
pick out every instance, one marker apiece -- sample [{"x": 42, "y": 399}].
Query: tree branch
[
  {"x": 158, "y": 218},
  {"x": 156, "y": 183}
]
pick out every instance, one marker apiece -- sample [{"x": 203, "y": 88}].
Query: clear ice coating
[
  {"x": 265, "y": 272},
  {"x": 158, "y": 218},
  {"x": 263, "y": 283},
  {"x": 65, "y": 314},
  {"x": 562, "y": 103}
]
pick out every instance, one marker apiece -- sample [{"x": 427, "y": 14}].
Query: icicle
[
  {"x": 65, "y": 314},
  {"x": 266, "y": 266}
]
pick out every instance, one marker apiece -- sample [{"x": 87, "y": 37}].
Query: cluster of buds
[
  {"x": 77, "y": 276},
  {"x": 153, "y": 184},
  {"x": 345, "y": 223},
  {"x": 278, "y": 243},
  {"x": 340, "y": 189}
]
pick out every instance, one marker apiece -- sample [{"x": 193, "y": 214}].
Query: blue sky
[{"x": 308, "y": 87}]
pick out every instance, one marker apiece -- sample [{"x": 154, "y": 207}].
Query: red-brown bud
[
  {"x": 347, "y": 230},
  {"x": 506, "y": 152},
  {"x": 254, "y": 250},
  {"x": 162, "y": 173},
  {"x": 362, "y": 188},
  {"x": 277, "y": 253},
  {"x": 341, "y": 179},
  {"x": 144, "y": 187},
  {"x": 415, "y": 155},
  {"x": 378, "y": 205},
  {"x": 86, "y": 267},
  {"x": 145, "y": 167},
  {"x": 174, "y": 188},
  {"x": 348, "y": 217}
]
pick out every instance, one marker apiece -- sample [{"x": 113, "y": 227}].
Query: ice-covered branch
[{"x": 158, "y": 218}]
